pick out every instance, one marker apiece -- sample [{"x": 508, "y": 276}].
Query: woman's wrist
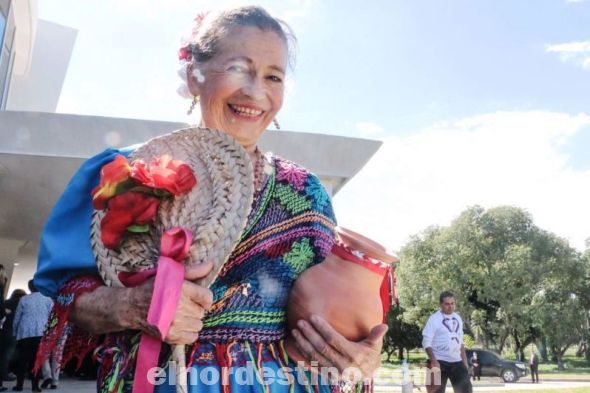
[
  {"x": 103, "y": 310},
  {"x": 126, "y": 316},
  {"x": 133, "y": 309}
]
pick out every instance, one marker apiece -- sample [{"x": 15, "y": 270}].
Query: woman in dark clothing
[
  {"x": 3, "y": 281},
  {"x": 7, "y": 340},
  {"x": 476, "y": 366}
]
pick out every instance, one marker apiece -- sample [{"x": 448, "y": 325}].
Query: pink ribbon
[{"x": 174, "y": 248}]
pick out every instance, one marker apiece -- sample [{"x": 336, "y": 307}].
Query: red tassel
[
  {"x": 79, "y": 342},
  {"x": 385, "y": 292},
  {"x": 221, "y": 352},
  {"x": 392, "y": 284},
  {"x": 191, "y": 358}
]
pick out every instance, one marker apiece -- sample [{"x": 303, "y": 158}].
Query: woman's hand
[
  {"x": 319, "y": 342},
  {"x": 109, "y": 309},
  {"x": 193, "y": 302}
]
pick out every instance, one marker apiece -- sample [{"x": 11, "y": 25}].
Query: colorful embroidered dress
[{"x": 290, "y": 228}]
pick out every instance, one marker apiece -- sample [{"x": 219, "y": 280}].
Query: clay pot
[{"x": 345, "y": 289}]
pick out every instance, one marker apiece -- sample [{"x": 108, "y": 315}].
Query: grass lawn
[
  {"x": 556, "y": 390},
  {"x": 575, "y": 368},
  {"x": 563, "y": 376},
  {"x": 560, "y": 390}
]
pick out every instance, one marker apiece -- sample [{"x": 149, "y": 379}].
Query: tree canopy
[{"x": 512, "y": 280}]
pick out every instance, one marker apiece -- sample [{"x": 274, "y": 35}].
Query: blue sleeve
[{"x": 65, "y": 250}]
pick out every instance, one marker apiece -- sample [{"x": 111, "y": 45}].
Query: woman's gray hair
[{"x": 211, "y": 28}]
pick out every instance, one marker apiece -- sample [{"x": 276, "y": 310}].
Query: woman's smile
[{"x": 245, "y": 112}]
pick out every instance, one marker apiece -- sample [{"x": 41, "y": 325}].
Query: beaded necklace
[{"x": 259, "y": 165}]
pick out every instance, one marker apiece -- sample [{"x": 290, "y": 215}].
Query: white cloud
[
  {"x": 492, "y": 159},
  {"x": 570, "y": 47},
  {"x": 368, "y": 129},
  {"x": 577, "y": 53}
]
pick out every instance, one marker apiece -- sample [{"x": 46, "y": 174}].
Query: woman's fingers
[
  {"x": 190, "y": 311},
  {"x": 320, "y": 346},
  {"x": 191, "y": 308},
  {"x": 197, "y": 271},
  {"x": 197, "y": 294},
  {"x": 182, "y": 338},
  {"x": 375, "y": 338},
  {"x": 363, "y": 356},
  {"x": 307, "y": 349},
  {"x": 189, "y": 318},
  {"x": 334, "y": 339}
]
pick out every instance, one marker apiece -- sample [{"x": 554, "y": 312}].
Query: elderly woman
[{"x": 237, "y": 63}]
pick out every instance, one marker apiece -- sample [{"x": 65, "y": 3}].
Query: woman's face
[{"x": 241, "y": 88}]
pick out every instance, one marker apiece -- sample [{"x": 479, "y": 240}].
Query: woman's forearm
[{"x": 108, "y": 310}]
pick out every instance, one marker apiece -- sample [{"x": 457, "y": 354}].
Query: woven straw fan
[{"x": 216, "y": 210}]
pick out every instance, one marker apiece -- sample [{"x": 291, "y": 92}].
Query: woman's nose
[{"x": 254, "y": 88}]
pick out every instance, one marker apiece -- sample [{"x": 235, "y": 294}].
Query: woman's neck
[{"x": 254, "y": 155}]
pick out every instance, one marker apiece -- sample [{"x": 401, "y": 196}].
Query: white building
[{"x": 41, "y": 149}]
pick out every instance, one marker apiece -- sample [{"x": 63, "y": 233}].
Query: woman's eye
[
  {"x": 238, "y": 69},
  {"x": 274, "y": 78}
]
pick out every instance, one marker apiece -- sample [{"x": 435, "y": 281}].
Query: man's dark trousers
[{"x": 458, "y": 374}]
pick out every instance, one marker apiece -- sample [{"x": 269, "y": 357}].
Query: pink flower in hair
[
  {"x": 199, "y": 22},
  {"x": 184, "y": 53},
  {"x": 199, "y": 18}
]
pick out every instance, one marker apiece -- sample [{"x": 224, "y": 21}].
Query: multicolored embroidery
[
  {"x": 291, "y": 228},
  {"x": 295, "y": 235},
  {"x": 291, "y": 173},
  {"x": 79, "y": 342}
]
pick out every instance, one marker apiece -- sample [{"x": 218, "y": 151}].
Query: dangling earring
[
  {"x": 193, "y": 104},
  {"x": 276, "y": 123}
]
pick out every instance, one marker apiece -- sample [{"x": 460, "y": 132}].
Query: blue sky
[{"x": 477, "y": 101}]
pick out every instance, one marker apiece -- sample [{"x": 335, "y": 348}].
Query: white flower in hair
[
  {"x": 182, "y": 70},
  {"x": 199, "y": 75},
  {"x": 183, "y": 91}
]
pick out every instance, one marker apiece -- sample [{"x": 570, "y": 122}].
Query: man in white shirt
[{"x": 442, "y": 339}]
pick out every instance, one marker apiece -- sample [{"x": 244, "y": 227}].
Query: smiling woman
[
  {"x": 242, "y": 88},
  {"x": 234, "y": 66}
]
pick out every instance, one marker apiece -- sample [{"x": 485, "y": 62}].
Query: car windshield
[{"x": 487, "y": 357}]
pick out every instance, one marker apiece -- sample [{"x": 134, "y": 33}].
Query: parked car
[{"x": 494, "y": 366}]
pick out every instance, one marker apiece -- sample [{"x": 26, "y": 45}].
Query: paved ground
[
  {"x": 67, "y": 385},
  {"x": 495, "y": 386}
]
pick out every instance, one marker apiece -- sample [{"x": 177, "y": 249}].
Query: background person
[
  {"x": 30, "y": 319},
  {"x": 443, "y": 343},
  {"x": 476, "y": 366},
  {"x": 7, "y": 339},
  {"x": 534, "y": 365}
]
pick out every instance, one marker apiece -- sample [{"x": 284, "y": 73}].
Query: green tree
[
  {"x": 560, "y": 316},
  {"x": 496, "y": 261},
  {"x": 401, "y": 335},
  {"x": 583, "y": 292}
]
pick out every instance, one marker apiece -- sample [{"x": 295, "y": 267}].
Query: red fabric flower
[
  {"x": 184, "y": 54},
  {"x": 165, "y": 173},
  {"x": 124, "y": 210},
  {"x": 111, "y": 175}
]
